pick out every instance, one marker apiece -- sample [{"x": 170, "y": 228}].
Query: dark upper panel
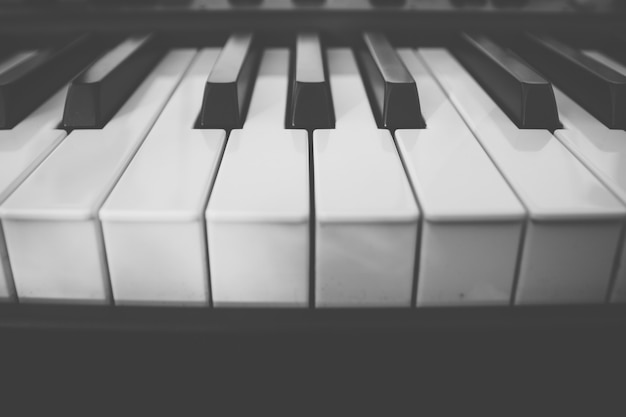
[{"x": 307, "y": 15}]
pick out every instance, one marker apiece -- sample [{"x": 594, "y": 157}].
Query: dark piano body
[{"x": 340, "y": 22}]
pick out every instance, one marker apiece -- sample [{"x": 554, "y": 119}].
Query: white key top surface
[
  {"x": 258, "y": 212},
  {"x": 366, "y": 215},
  {"x": 603, "y": 151},
  {"x": 52, "y": 233},
  {"x": 21, "y": 150},
  {"x": 472, "y": 220},
  {"x": 573, "y": 232},
  {"x": 153, "y": 221}
]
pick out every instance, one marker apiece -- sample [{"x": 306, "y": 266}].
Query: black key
[
  {"x": 308, "y": 2},
  {"x": 101, "y": 89},
  {"x": 228, "y": 89},
  {"x": 310, "y": 104},
  {"x": 469, "y": 3},
  {"x": 14, "y": 59},
  {"x": 524, "y": 95},
  {"x": 245, "y": 3},
  {"x": 615, "y": 47},
  {"x": 391, "y": 87},
  {"x": 388, "y": 3},
  {"x": 509, "y": 3},
  {"x": 596, "y": 87},
  {"x": 27, "y": 85}
]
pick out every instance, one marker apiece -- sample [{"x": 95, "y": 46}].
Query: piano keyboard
[{"x": 490, "y": 172}]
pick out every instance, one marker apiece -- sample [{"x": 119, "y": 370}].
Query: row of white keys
[
  {"x": 258, "y": 215},
  {"x": 50, "y": 222},
  {"x": 472, "y": 221},
  {"x": 366, "y": 214},
  {"x": 21, "y": 150},
  {"x": 573, "y": 232},
  {"x": 602, "y": 150},
  {"x": 153, "y": 221}
]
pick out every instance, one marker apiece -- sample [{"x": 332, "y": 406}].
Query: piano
[{"x": 312, "y": 168}]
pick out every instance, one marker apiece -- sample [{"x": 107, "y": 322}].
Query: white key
[
  {"x": 52, "y": 232},
  {"x": 21, "y": 150},
  {"x": 603, "y": 151},
  {"x": 473, "y": 222},
  {"x": 258, "y": 212},
  {"x": 153, "y": 221},
  {"x": 573, "y": 232},
  {"x": 366, "y": 214}
]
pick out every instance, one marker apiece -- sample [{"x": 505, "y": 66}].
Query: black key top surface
[
  {"x": 101, "y": 89},
  {"x": 310, "y": 104},
  {"x": 27, "y": 85},
  {"x": 391, "y": 87},
  {"x": 596, "y": 87},
  {"x": 228, "y": 88},
  {"x": 524, "y": 95}
]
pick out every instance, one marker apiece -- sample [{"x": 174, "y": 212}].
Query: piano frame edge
[{"x": 33, "y": 318}]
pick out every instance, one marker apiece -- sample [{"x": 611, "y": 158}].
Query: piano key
[
  {"x": 310, "y": 103},
  {"x": 387, "y": 3},
  {"x": 473, "y": 222},
  {"x": 524, "y": 95},
  {"x": 229, "y": 84},
  {"x": 613, "y": 46},
  {"x": 308, "y": 3},
  {"x": 258, "y": 216},
  {"x": 606, "y": 60},
  {"x": 366, "y": 223},
  {"x": 596, "y": 87},
  {"x": 17, "y": 58},
  {"x": 603, "y": 151},
  {"x": 395, "y": 100},
  {"x": 21, "y": 150},
  {"x": 53, "y": 236},
  {"x": 99, "y": 91},
  {"x": 26, "y": 85},
  {"x": 152, "y": 222},
  {"x": 574, "y": 224}
]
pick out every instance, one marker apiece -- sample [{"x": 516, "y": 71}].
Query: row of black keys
[{"x": 102, "y": 86}]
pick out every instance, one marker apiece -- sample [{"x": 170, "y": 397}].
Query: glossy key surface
[
  {"x": 152, "y": 221},
  {"x": 595, "y": 86},
  {"x": 472, "y": 221},
  {"x": 366, "y": 216},
  {"x": 393, "y": 92},
  {"x": 53, "y": 235},
  {"x": 229, "y": 85},
  {"x": 523, "y": 94},
  {"x": 25, "y": 86},
  {"x": 573, "y": 232},
  {"x": 603, "y": 151},
  {"x": 22, "y": 149},
  {"x": 258, "y": 216},
  {"x": 99, "y": 91},
  {"x": 311, "y": 105}
]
